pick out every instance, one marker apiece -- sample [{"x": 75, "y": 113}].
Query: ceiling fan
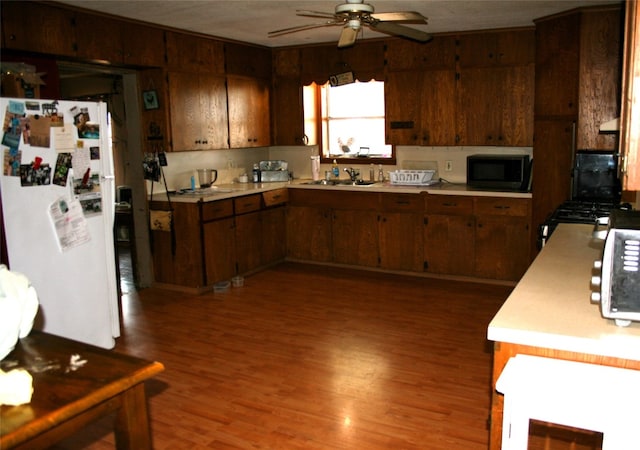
[{"x": 354, "y": 14}]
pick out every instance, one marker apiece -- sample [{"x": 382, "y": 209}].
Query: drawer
[
  {"x": 455, "y": 205},
  {"x": 501, "y": 206},
  {"x": 275, "y": 197},
  {"x": 402, "y": 203},
  {"x": 247, "y": 203},
  {"x": 217, "y": 210}
]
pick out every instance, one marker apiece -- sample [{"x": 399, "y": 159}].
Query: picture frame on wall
[{"x": 150, "y": 99}]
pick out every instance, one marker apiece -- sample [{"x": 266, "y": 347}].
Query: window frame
[{"x": 351, "y": 159}]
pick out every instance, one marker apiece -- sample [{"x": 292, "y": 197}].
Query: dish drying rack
[{"x": 412, "y": 177}]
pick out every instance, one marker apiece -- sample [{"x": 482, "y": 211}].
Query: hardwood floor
[{"x": 309, "y": 357}]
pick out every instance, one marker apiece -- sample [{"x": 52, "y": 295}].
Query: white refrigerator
[{"x": 57, "y": 191}]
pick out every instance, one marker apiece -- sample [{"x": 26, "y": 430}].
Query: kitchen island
[{"x": 549, "y": 313}]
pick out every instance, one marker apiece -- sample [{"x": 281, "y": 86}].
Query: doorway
[{"x": 118, "y": 88}]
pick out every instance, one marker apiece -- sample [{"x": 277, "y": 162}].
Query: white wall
[{"x": 232, "y": 163}]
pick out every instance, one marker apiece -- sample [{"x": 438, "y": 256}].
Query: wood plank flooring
[{"x": 308, "y": 357}]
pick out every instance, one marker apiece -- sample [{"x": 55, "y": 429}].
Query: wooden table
[{"x": 66, "y": 398}]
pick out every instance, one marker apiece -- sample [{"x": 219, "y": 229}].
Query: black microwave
[{"x": 499, "y": 172}]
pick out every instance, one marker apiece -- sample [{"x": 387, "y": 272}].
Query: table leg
[{"x": 132, "y": 427}]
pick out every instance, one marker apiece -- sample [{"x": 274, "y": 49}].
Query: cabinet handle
[
  {"x": 449, "y": 204},
  {"x": 402, "y": 202},
  {"x": 502, "y": 207}
]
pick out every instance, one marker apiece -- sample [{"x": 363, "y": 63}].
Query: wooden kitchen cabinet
[
  {"x": 354, "y": 229},
  {"x": 249, "y": 113},
  {"x": 218, "y": 240},
  {"x": 248, "y": 233},
  {"x": 495, "y": 88},
  {"x": 420, "y": 107},
  {"x": 128, "y": 43},
  {"x": 420, "y": 86},
  {"x": 273, "y": 245},
  {"x": 309, "y": 233},
  {"x": 287, "y": 118},
  {"x": 37, "y": 28},
  {"x": 180, "y": 264},
  {"x": 400, "y": 228},
  {"x": 187, "y": 52},
  {"x": 449, "y": 235},
  {"x": 502, "y": 237},
  {"x": 198, "y": 111},
  {"x": 495, "y": 106}
]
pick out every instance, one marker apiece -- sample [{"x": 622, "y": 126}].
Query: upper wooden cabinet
[
  {"x": 433, "y": 98},
  {"x": 286, "y": 62},
  {"x": 403, "y": 54},
  {"x": 118, "y": 42},
  {"x": 248, "y": 103},
  {"x": 287, "y": 108},
  {"x": 496, "y": 48},
  {"x": 578, "y": 64},
  {"x": 247, "y": 60},
  {"x": 189, "y": 52},
  {"x": 40, "y": 28},
  {"x": 198, "y": 111}
]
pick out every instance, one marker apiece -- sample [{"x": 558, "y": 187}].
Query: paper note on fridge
[
  {"x": 69, "y": 223},
  {"x": 64, "y": 138}
]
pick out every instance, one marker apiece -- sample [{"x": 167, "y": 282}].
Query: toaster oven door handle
[{"x": 598, "y": 232}]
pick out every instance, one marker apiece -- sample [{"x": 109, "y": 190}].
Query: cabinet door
[
  {"x": 449, "y": 244},
  {"x": 502, "y": 247},
  {"x": 355, "y": 237},
  {"x": 184, "y": 94},
  {"x": 219, "y": 250},
  {"x": 495, "y": 106},
  {"x": 184, "y": 265},
  {"x": 309, "y": 233},
  {"x": 91, "y": 43},
  {"x": 557, "y": 59},
  {"x": 249, "y": 124},
  {"x": 288, "y": 112},
  {"x": 248, "y": 237},
  {"x": 193, "y": 53},
  {"x": 37, "y": 28},
  {"x": 438, "y": 108},
  {"x": 213, "y": 110},
  {"x": 402, "y": 107},
  {"x": 273, "y": 244},
  {"x": 142, "y": 45},
  {"x": 401, "y": 244}
]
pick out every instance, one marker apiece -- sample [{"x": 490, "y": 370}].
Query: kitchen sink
[{"x": 341, "y": 183}]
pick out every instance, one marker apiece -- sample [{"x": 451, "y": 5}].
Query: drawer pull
[
  {"x": 402, "y": 202},
  {"x": 449, "y": 204},
  {"x": 502, "y": 207}
]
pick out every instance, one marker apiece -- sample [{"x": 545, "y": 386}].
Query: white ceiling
[{"x": 250, "y": 21}]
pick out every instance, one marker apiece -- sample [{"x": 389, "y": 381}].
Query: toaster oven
[{"x": 617, "y": 286}]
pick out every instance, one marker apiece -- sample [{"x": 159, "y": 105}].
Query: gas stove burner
[{"x": 577, "y": 211}]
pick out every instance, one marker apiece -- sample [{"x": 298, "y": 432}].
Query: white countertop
[
  {"x": 222, "y": 191},
  {"x": 551, "y": 308}
]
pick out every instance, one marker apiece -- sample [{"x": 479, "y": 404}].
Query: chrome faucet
[{"x": 353, "y": 173}]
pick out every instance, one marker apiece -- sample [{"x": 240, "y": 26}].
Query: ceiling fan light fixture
[
  {"x": 349, "y": 8},
  {"x": 354, "y": 24}
]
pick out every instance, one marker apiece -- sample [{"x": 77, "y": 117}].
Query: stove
[
  {"x": 595, "y": 193},
  {"x": 577, "y": 211}
]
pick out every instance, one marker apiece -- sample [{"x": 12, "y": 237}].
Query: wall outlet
[{"x": 448, "y": 166}]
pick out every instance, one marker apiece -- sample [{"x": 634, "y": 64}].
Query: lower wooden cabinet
[
  {"x": 354, "y": 237},
  {"x": 485, "y": 237},
  {"x": 216, "y": 240},
  {"x": 309, "y": 233}
]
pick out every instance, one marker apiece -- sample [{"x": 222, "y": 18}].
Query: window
[{"x": 347, "y": 121}]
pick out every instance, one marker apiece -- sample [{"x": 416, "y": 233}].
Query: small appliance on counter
[
  {"x": 499, "y": 172},
  {"x": 274, "y": 170},
  {"x": 617, "y": 287}
]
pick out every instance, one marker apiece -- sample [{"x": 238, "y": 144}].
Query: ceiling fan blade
[
  {"x": 322, "y": 15},
  {"x": 400, "y": 30},
  {"x": 405, "y": 17},
  {"x": 347, "y": 37},
  {"x": 302, "y": 28}
]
